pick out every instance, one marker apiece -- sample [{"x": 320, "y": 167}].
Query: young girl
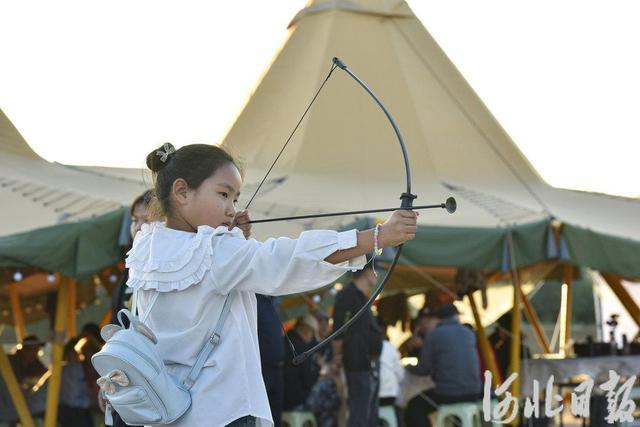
[{"x": 202, "y": 253}]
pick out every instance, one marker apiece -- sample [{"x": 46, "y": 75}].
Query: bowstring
[{"x": 333, "y": 67}]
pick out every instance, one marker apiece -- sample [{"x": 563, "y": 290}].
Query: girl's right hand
[{"x": 400, "y": 227}]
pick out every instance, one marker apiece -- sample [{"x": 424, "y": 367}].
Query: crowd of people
[
  {"x": 347, "y": 383},
  {"x": 371, "y": 379}
]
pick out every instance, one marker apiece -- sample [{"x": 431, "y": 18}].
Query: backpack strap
[
  {"x": 209, "y": 345},
  {"x": 134, "y": 305}
]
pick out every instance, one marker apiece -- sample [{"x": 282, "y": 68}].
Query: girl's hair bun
[{"x": 158, "y": 158}]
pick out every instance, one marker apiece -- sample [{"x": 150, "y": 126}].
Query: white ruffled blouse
[{"x": 192, "y": 272}]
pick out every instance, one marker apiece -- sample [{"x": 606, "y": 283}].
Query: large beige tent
[
  {"x": 345, "y": 155},
  {"x": 36, "y": 193}
]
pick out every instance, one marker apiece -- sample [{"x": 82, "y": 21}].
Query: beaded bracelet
[{"x": 377, "y": 250}]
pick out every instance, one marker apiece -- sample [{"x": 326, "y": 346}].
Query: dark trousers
[
  {"x": 247, "y": 421},
  {"x": 117, "y": 421},
  {"x": 273, "y": 377},
  {"x": 419, "y": 408},
  {"x": 74, "y": 417},
  {"x": 363, "y": 398}
]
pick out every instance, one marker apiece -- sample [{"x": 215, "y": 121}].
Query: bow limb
[{"x": 407, "y": 202}]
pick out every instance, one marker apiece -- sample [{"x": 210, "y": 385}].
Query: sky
[{"x": 103, "y": 83}]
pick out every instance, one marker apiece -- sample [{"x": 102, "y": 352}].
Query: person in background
[
  {"x": 25, "y": 362},
  {"x": 75, "y": 399},
  {"x": 271, "y": 354},
  {"x": 449, "y": 355},
  {"x": 139, "y": 216},
  {"x": 327, "y": 397},
  {"x": 391, "y": 372},
  {"x": 358, "y": 349},
  {"x": 325, "y": 354},
  {"x": 28, "y": 370},
  {"x": 424, "y": 323},
  {"x": 299, "y": 379},
  {"x": 89, "y": 343},
  {"x": 122, "y": 294}
]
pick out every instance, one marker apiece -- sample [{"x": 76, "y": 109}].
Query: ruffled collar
[{"x": 166, "y": 259}]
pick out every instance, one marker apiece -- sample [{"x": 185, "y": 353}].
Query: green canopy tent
[{"x": 75, "y": 252}]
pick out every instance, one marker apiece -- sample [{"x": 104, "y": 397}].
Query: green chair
[
  {"x": 387, "y": 417},
  {"x": 466, "y": 412},
  {"x": 633, "y": 395},
  {"x": 298, "y": 419}
]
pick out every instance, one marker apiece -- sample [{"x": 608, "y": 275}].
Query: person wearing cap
[
  {"x": 299, "y": 379},
  {"x": 424, "y": 323},
  {"x": 358, "y": 349},
  {"x": 449, "y": 355}
]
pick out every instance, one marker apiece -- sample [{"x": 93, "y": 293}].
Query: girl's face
[{"x": 214, "y": 202}]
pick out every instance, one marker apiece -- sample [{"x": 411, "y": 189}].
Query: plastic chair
[
  {"x": 387, "y": 416},
  {"x": 298, "y": 419},
  {"x": 467, "y": 413}
]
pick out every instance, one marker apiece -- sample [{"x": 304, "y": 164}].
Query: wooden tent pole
[
  {"x": 615, "y": 283},
  {"x": 530, "y": 312},
  {"x": 59, "y": 335},
  {"x": 14, "y": 390},
  {"x": 16, "y": 310},
  {"x": 71, "y": 309},
  {"x": 485, "y": 347},
  {"x": 106, "y": 318}
]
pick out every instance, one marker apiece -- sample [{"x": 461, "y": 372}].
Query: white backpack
[{"x": 134, "y": 378}]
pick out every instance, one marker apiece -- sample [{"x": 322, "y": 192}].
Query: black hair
[
  {"x": 144, "y": 198},
  {"x": 194, "y": 163}
]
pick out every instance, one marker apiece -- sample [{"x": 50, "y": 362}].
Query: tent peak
[
  {"x": 11, "y": 141},
  {"x": 379, "y": 8}
]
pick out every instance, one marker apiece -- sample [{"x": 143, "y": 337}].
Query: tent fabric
[
  {"x": 473, "y": 248},
  {"x": 601, "y": 252},
  {"x": 77, "y": 249},
  {"x": 36, "y": 193}
]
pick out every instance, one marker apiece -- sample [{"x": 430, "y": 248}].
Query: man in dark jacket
[
  {"x": 450, "y": 356},
  {"x": 359, "y": 349},
  {"x": 271, "y": 354}
]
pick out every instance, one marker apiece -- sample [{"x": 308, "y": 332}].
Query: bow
[
  {"x": 109, "y": 382},
  {"x": 407, "y": 203},
  {"x": 167, "y": 149}
]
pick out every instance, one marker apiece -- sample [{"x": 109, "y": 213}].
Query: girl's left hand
[{"x": 242, "y": 221}]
